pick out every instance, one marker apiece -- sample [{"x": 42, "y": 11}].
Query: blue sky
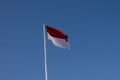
[{"x": 93, "y": 27}]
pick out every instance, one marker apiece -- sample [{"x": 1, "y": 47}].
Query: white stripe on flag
[{"x": 62, "y": 43}]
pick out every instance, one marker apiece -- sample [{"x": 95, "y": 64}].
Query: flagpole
[{"x": 45, "y": 54}]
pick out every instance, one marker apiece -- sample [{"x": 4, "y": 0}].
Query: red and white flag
[{"x": 58, "y": 38}]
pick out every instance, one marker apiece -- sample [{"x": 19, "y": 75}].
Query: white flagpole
[{"x": 45, "y": 55}]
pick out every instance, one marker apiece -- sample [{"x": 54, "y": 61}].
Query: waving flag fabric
[{"x": 58, "y": 38}]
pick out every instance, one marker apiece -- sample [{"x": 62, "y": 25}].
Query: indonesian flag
[{"x": 58, "y": 38}]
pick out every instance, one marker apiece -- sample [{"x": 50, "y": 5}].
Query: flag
[{"x": 58, "y": 38}]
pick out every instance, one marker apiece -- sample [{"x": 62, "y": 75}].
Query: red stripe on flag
[{"x": 56, "y": 33}]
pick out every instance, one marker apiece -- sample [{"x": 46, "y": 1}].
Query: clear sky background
[{"x": 93, "y": 27}]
